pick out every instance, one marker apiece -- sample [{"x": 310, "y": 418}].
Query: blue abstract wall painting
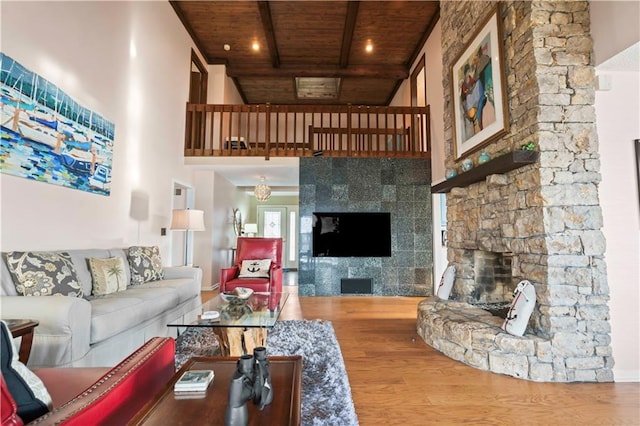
[{"x": 49, "y": 137}]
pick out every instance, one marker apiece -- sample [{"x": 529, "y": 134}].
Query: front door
[{"x": 281, "y": 222}]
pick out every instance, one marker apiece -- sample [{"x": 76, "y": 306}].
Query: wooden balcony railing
[{"x": 306, "y": 130}]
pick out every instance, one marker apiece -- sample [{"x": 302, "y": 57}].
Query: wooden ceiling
[{"x": 311, "y": 39}]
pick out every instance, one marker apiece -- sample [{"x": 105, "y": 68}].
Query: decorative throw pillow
[
  {"x": 28, "y": 391},
  {"x": 107, "y": 275},
  {"x": 255, "y": 268},
  {"x": 43, "y": 273},
  {"x": 145, "y": 264},
  {"x": 446, "y": 282}
]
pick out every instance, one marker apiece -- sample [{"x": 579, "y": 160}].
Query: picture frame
[{"x": 478, "y": 85}]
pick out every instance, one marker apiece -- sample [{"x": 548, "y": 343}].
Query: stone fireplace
[{"x": 543, "y": 219}]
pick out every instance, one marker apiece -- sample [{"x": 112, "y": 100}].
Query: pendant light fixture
[{"x": 262, "y": 191}]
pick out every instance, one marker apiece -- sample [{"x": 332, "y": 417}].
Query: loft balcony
[{"x": 268, "y": 130}]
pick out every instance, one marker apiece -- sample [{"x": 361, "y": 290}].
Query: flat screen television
[{"x": 351, "y": 234}]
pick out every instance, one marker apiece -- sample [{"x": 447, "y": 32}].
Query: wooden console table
[
  {"x": 285, "y": 409},
  {"x": 23, "y": 328}
]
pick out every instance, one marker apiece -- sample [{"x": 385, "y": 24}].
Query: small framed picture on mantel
[{"x": 479, "y": 88}]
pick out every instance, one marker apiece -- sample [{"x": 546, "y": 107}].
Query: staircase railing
[{"x": 305, "y": 130}]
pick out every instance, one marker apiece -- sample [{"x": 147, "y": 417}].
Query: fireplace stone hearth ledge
[{"x": 474, "y": 337}]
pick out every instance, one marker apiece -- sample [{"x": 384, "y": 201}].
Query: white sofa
[{"x": 103, "y": 330}]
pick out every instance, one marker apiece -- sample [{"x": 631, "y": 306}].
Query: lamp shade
[
  {"x": 251, "y": 228},
  {"x": 187, "y": 220}
]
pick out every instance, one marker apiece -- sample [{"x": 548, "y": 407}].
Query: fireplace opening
[
  {"x": 490, "y": 285},
  {"x": 492, "y": 278}
]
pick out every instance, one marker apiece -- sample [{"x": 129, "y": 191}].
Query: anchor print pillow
[{"x": 255, "y": 268}]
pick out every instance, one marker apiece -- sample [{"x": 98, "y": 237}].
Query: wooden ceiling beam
[
  {"x": 269, "y": 32},
  {"x": 347, "y": 35},
  {"x": 395, "y": 72}
]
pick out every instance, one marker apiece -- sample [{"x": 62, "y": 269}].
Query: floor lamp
[{"x": 187, "y": 220}]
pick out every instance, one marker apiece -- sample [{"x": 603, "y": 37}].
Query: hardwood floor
[{"x": 396, "y": 379}]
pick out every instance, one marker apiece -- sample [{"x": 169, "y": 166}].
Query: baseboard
[
  {"x": 211, "y": 287},
  {"x": 626, "y": 375}
]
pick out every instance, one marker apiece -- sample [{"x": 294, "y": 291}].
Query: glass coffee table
[{"x": 242, "y": 324}]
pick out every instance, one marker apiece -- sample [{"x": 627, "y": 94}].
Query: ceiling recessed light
[
  {"x": 226, "y": 47},
  {"x": 369, "y": 47},
  {"x": 255, "y": 46}
]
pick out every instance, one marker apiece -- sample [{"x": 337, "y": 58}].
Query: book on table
[{"x": 194, "y": 381}]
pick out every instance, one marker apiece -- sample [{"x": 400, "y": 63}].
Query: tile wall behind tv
[{"x": 398, "y": 186}]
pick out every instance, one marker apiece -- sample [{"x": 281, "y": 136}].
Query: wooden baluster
[{"x": 267, "y": 122}]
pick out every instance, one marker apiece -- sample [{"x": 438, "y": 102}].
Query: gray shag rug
[{"x": 326, "y": 393}]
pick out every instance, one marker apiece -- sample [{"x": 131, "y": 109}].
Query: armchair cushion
[
  {"x": 255, "y": 268},
  {"x": 29, "y": 393}
]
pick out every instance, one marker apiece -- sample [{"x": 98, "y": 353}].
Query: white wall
[
  {"x": 614, "y": 28},
  {"x": 130, "y": 62},
  {"x": 433, "y": 72},
  {"x": 608, "y": 38},
  {"x": 220, "y": 88},
  {"x": 435, "y": 100},
  {"x": 618, "y": 125},
  {"x": 217, "y": 197}
]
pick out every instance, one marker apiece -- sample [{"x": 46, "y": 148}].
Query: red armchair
[
  {"x": 83, "y": 396},
  {"x": 255, "y": 249}
]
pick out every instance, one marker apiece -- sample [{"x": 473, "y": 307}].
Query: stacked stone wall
[{"x": 547, "y": 214}]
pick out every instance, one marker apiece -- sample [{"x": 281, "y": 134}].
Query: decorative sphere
[
  {"x": 483, "y": 158},
  {"x": 450, "y": 173},
  {"x": 467, "y": 165}
]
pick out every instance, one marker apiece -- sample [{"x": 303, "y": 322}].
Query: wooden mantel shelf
[{"x": 502, "y": 164}]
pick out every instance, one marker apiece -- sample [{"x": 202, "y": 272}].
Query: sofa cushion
[
  {"x": 255, "y": 268},
  {"x": 107, "y": 274},
  {"x": 114, "y": 313},
  {"x": 185, "y": 288},
  {"x": 145, "y": 264},
  {"x": 28, "y": 391},
  {"x": 43, "y": 273}
]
